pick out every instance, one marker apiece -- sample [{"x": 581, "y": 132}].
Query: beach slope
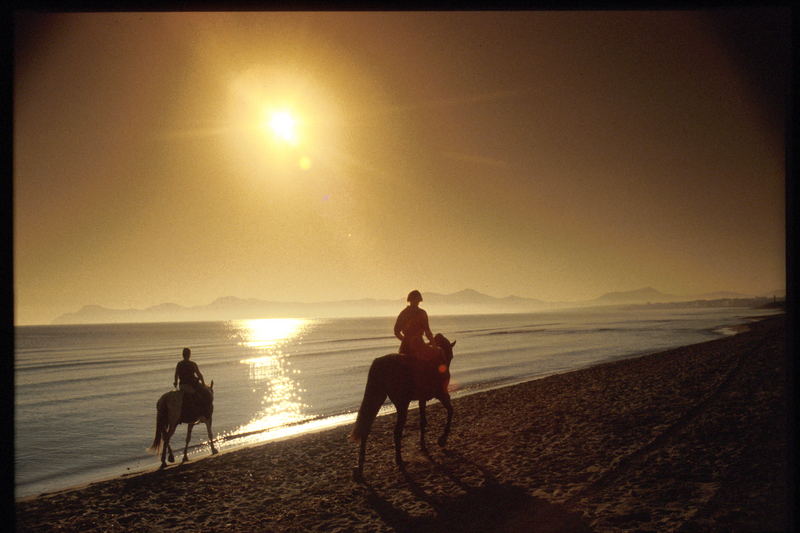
[{"x": 691, "y": 439}]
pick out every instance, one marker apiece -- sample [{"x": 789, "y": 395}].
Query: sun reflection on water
[
  {"x": 270, "y": 372},
  {"x": 268, "y": 332}
]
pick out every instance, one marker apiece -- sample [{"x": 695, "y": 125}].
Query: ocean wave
[
  {"x": 350, "y": 339},
  {"x": 488, "y": 331},
  {"x": 55, "y": 397},
  {"x": 572, "y": 331},
  {"x": 514, "y": 332},
  {"x": 376, "y": 351},
  {"x": 81, "y": 471}
]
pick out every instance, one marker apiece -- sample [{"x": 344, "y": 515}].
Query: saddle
[
  {"x": 193, "y": 406},
  {"x": 425, "y": 371}
]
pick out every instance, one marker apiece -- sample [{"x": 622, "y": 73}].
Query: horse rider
[
  {"x": 410, "y": 326},
  {"x": 191, "y": 381}
]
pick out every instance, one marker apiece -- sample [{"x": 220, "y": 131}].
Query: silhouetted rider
[
  {"x": 411, "y": 324},
  {"x": 191, "y": 381}
]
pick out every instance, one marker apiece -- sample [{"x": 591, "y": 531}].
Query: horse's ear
[
  {"x": 212, "y": 384},
  {"x": 453, "y": 343}
]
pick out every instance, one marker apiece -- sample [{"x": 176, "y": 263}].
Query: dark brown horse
[
  {"x": 171, "y": 411},
  {"x": 393, "y": 375}
]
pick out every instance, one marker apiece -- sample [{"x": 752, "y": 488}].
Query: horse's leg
[
  {"x": 358, "y": 472},
  {"x": 167, "y": 436},
  {"x": 188, "y": 436},
  {"x": 164, "y": 447},
  {"x": 402, "y": 414},
  {"x": 423, "y": 423},
  {"x": 210, "y": 437},
  {"x": 170, "y": 456},
  {"x": 445, "y": 400}
]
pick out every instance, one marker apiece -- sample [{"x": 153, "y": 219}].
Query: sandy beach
[{"x": 692, "y": 439}]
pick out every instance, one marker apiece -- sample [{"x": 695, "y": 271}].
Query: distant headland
[{"x": 467, "y": 301}]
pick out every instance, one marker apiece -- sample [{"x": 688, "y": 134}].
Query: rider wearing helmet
[{"x": 411, "y": 324}]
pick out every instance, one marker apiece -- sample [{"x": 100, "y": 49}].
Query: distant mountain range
[
  {"x": 467, "y": 301},
  {"x": 649, "y": 294}
]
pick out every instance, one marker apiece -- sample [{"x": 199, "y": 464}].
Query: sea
[{"x": 85, "y": 395}]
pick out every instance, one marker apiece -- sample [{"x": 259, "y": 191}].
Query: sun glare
[
  {"x": 271, "y": 374},
  {"x": 284, "y": 126},
  {"x": 267, "y": 332}
]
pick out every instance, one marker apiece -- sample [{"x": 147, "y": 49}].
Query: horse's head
[
  {"x": 446, "y": 346},
  {"x": 210, "y": 389}
]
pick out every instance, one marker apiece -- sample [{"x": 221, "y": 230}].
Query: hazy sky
[{"x": 179, "y": 157}]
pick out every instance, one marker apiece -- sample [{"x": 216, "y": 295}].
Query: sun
[{"x": 283, "y": 125}]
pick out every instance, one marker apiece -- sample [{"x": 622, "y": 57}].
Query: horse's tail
[
  {"x": 374, "y": 395},
  {"x": 161, "y": 414}
]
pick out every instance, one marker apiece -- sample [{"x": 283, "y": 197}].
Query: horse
[
  {"x": 392, "y": 376},
  {"x": 170, "y": 412}
]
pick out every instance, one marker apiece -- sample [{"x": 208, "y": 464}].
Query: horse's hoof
[
  {"x": 184, "y": 460},
  {"x": 171, "y": 458},
  {"x": 358, "y": 475},
  {"x": 163, "y": 466},
  {"x": 401, "y": 465},
  {"x": 442, "y": 442},
  {"x": 214, "y": 451}
]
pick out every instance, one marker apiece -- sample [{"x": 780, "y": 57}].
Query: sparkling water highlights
[
  {"x": 271, "y": 332},
  {"x": 85, "y": 395},
  {"x": 272, "y": 376}
]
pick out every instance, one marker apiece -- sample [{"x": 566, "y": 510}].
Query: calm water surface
[{"x": 85, "y": 395}]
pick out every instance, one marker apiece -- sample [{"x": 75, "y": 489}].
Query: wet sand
[{"x": 692, "y": 439}]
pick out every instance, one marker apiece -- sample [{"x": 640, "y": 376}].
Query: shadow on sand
[{"x": 477, "y": 506}]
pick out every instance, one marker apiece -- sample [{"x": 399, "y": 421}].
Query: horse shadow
[{"x": 478, "y": 505}]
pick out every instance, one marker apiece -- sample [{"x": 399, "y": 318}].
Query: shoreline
[
  {"x": 198, "y": 450},
  {"x": 592, "y": 449}
]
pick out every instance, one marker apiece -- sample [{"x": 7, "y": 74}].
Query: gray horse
[
  {"x": 403, "y": 380},
  {"x": 170, "y": 412}
]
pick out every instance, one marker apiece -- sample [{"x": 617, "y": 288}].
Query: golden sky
[{"x": 180, "y": 157}]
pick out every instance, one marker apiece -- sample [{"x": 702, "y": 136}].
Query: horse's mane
[{"x": 442, "y": 342}]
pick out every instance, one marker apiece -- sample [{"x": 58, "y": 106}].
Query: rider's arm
[
  {"x": 427, "y": 327},
  {"x": 397, "y": 326},
  {"x": 175, "y": 383},
  {"x": 199, "y": 375}
]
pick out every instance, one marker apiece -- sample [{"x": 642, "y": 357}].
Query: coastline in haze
[
  {"x": 265, "y": 187},
  {"x": 463, "y": 302},
  {"x": 85, "y": 394}
]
